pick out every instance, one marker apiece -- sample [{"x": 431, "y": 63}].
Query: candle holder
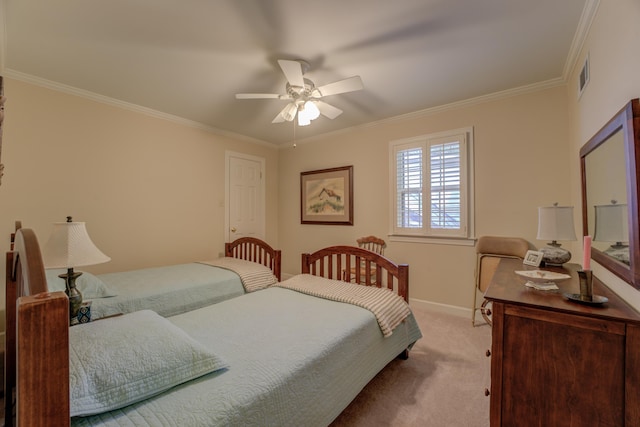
[
  {"x": 586, "y": 290},
  {"x": 586, "y": 285}
]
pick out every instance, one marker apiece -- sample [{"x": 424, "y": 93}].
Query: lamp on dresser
[
  {"x": 555, "y": 223},
  {"x": 68, "y": 247},
  {"x": 612, "y": 225}
]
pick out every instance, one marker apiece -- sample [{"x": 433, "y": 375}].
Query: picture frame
[
  {"x": 326, "y": 196},
  {"x": 533, "y": 258}
]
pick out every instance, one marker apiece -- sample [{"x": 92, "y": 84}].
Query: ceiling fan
[{"x": 305, "y": 97}]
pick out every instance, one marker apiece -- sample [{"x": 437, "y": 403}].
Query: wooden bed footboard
[
  {"x": 37, "y": 387},
  {"x": 256, "y": 250},
  {"x": 350, "y": 263}
]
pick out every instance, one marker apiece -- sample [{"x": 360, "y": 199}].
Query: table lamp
[
  {"x": 555, "y": 223},
  {"x": 68, "y": 247}
]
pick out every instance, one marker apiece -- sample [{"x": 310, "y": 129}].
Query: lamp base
[
  {"x": 75, "y": 296},
  {"x": 555, "y": 256}
]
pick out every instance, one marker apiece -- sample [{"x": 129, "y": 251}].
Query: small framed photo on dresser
[{"x": 533, "y": 258}]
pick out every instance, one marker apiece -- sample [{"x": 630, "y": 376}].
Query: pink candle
[{"x": 586, "y": 255}]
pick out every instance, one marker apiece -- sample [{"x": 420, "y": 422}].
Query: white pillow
[
  {"x": 121, "y": 360},
  {"x": 89, "y": 285}
]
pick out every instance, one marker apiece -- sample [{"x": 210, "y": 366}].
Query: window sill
[{"x": 430, "y": 240}]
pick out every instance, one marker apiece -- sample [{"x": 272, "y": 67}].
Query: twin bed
[
  {"x": 249, "y": 264},
  {"x": 291, "y": 354}
]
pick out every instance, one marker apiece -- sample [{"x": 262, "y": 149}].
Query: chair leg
[{"x": 474, "y": 308}]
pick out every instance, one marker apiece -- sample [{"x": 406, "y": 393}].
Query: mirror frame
[{"x": 626, "y": 120}]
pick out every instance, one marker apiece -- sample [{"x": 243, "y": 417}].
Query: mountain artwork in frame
[{"x": 326, "y": 196}]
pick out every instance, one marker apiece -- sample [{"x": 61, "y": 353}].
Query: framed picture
[
  {"x": 533, "y": 258},
  {"x": 326, "y": 196}
]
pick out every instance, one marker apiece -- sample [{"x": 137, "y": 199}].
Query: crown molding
[
  {"x": 580, "y": 37},
  {"x": 535, "y": 87},
  {"x": 48, "y": 84}
]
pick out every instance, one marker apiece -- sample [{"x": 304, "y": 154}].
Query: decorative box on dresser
[{"x": 555, "y": 362}]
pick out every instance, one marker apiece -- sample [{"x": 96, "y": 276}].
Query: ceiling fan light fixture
[
  {"x": 307, "y": 111},
  {"x": 303, "y": 120},
  {"x": 289, "y": 112},
  {"x": 311, "y": 110}
]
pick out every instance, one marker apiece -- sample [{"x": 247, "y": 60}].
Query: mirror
[{"x": 608, "y": 163}]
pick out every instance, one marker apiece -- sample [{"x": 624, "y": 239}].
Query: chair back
[
  {"x": 372, "y": 243},
  {"x": 490, "y": 250}
]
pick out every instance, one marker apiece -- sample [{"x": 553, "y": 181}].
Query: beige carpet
[{"x": 441, "y": 384}]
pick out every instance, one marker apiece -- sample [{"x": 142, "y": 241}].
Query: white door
[{"x": 245, "y": 213}]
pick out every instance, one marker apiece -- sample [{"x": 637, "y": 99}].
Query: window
[{"x": 430, "y": 183}]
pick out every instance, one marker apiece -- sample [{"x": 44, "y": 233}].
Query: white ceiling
[{"x": 187, "y": 58}]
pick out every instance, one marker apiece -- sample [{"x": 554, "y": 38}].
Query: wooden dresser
[{"x": 557, "y": 363}]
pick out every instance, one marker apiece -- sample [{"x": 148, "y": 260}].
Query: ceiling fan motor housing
[{"x": 303, "y": 93}]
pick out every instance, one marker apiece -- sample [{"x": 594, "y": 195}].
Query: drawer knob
[
  {"x": 487, "y": 392},
  {"x": 488, "y": 353}
]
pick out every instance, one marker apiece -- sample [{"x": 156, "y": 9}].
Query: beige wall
[
  {"x": 612, "y": 46},
  {"x": 150, "y": 190},
  {"x": 521, "y": 157}
]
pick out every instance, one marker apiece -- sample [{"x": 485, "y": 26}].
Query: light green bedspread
[
  {"x": 294, "y": 360},
  {"x": 167, "y": 290}
]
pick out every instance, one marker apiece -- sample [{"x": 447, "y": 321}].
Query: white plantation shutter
[
  {"x": 409, "y": 188},
  {"x": 446, "y": 173},
  {"x": 430, "y": 175}
]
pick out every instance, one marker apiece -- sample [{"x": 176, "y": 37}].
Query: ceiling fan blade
[
  {"x": 341, "y": 86},
  {"x": 260, "y": 96},
  {"x": 287, "y": 113},
  {"x": 328, "y": 110},
  {"x": 292, "y": 71}
]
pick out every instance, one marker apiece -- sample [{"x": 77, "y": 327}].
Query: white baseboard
[
  {"x": 446, "y": 308},
  {"x": 439, "y": 307}
]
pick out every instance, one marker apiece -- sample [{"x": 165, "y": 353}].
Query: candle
[{"x": 586, "y": 254}]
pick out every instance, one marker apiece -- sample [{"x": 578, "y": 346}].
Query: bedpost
[
  {"x": 43, "y": 360},
  {"x": 37, "y": 352},
  {"x": 403, "y": 281},
  {"x": 305, "y": 264},
  {"x": 277, "y": 261},
  {"x": 10, "y": 340}
]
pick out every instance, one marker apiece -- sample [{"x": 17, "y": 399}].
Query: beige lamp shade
[
  {"x": 612, "y": 224},
  {"x": 70, "y": 246},
  {"x": 556, "y": 223}
]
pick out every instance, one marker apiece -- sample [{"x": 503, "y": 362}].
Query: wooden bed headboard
[
  {"x": 360, "y": 265},
  {"x": 256, "y": 250},
  {"x": 38, "y": 337}
]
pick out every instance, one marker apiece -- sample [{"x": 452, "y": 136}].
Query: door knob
[{"x": 233, "y": 229}]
